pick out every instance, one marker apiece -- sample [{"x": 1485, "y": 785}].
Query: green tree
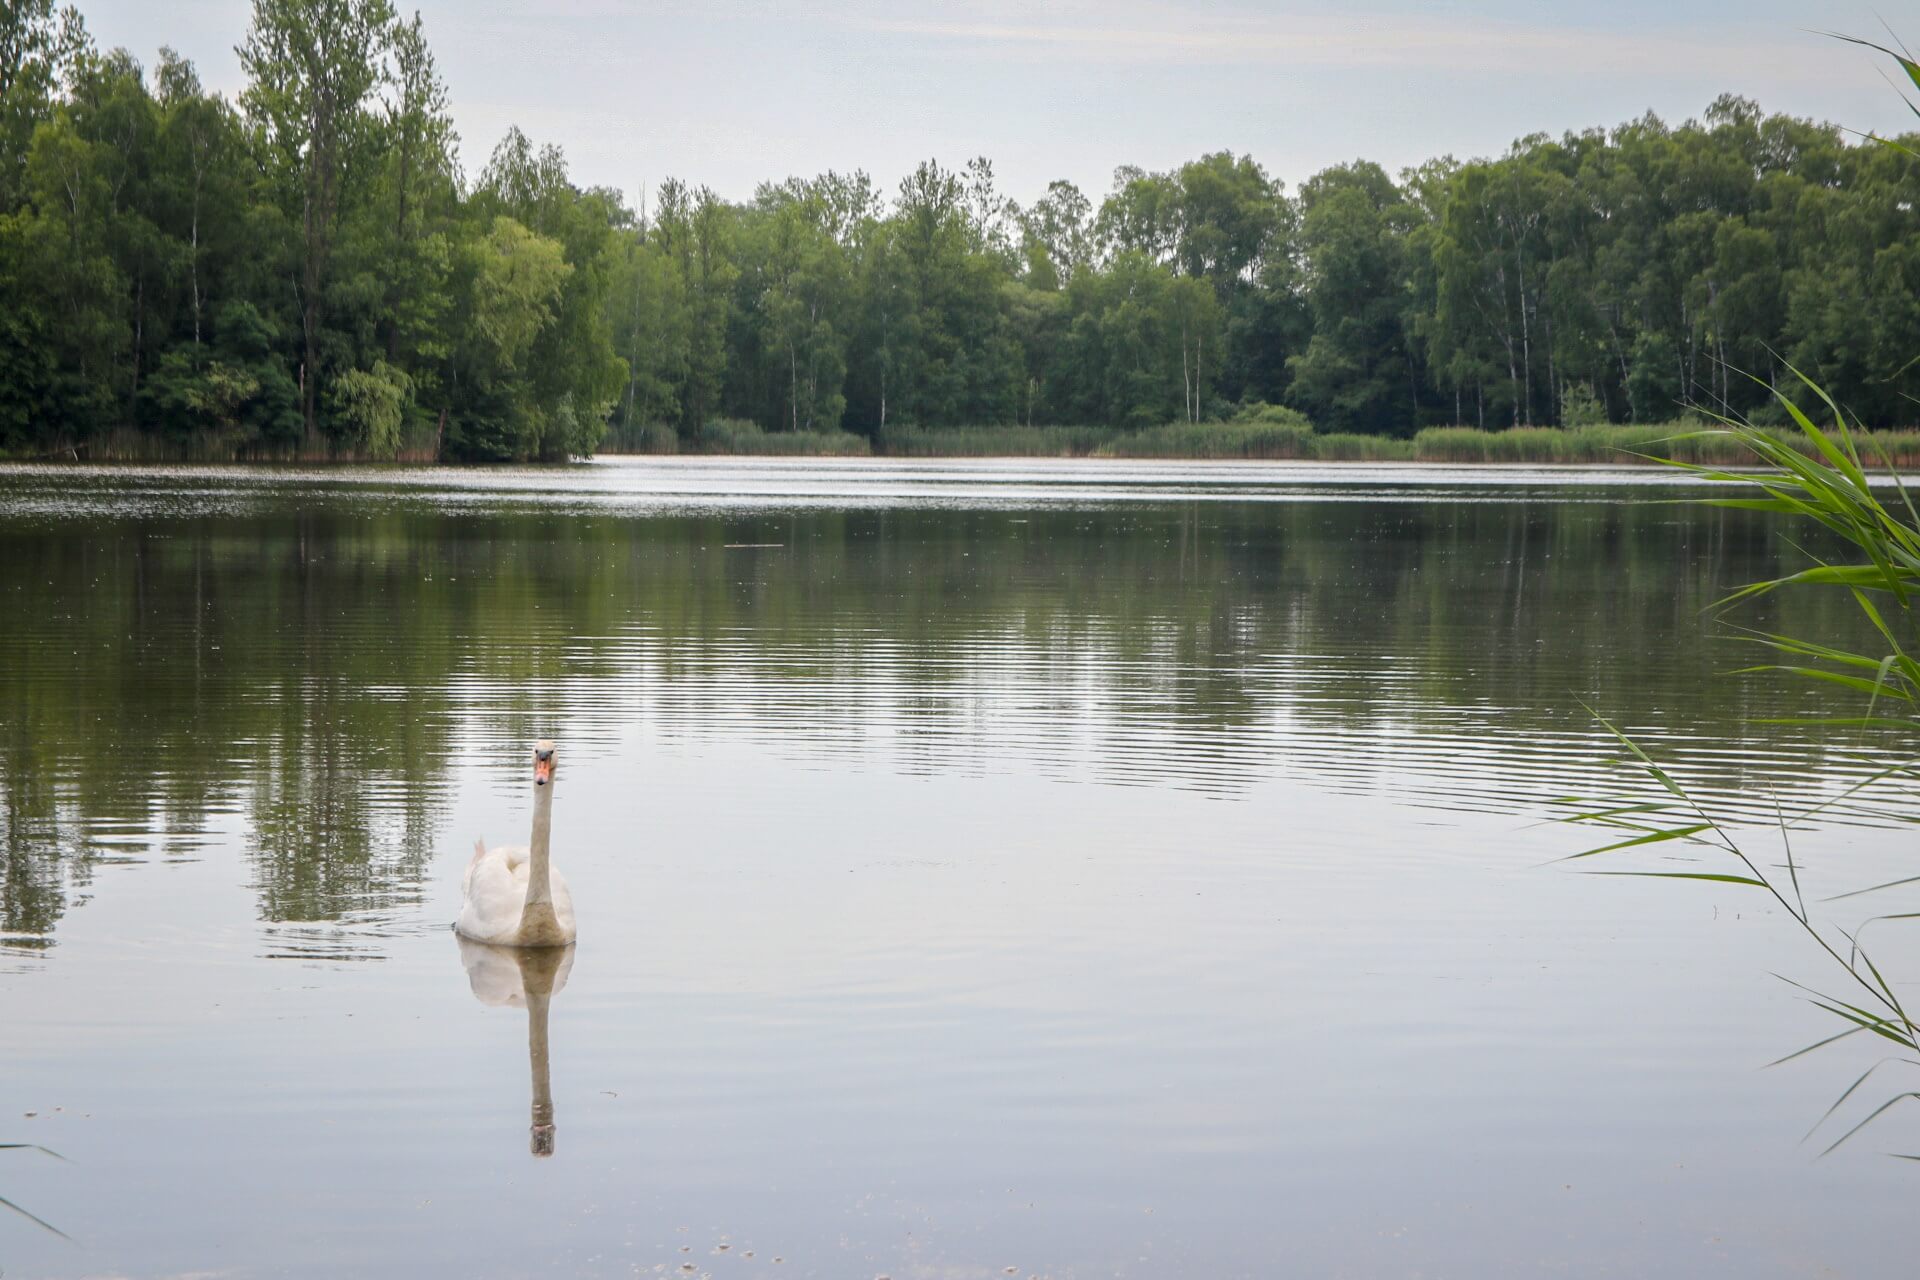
[
  {"x": 511, "y": 281},
  {"x": 313, "y": 67},
  {"x": 1357, "y": 372},
  {"x": 38, "y": 47}
]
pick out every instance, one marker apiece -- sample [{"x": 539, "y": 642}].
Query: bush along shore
[
  {"x": 1266, "y": 439},
  {"x": 1271, "y": 436}
]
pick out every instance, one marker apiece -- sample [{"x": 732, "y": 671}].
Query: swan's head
[{"x": 542, "y": 762}]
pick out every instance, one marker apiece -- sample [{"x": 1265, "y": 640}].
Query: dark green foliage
[
  {"x": 238, "y": 389},
  {"x": 1357, "y": 371},
  {"x": 300, "y": 274},
  {"x": 1605, "y": 277}
]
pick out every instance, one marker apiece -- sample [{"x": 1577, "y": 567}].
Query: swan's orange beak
[{"x": 542, "y": 771}]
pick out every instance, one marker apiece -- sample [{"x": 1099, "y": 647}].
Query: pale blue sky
[{"x": 730, "y": 92}]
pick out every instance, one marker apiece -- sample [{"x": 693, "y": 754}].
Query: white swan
[{"x": 512, "y": 895}]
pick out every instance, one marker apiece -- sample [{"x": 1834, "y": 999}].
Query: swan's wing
[
  {"x": 466, "y": 878},
  {"x": 495, "y": 893}
]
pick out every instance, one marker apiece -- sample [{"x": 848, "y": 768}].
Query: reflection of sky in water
[
  {"x": 693, "y": 484},
  {"x": 1084, "y": 888}
]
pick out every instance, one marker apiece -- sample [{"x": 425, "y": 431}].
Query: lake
[{"x": 984, "y": 869}]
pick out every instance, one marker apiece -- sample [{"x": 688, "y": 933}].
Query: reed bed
[
  {"x": 1690, "y": 442},
  {"x": 1349, "y": 447},
  {"x": 1296, "y": 441},
  {"x": 654, "y": 438},
  {"x": 127, "y": 445},
  {"x": 737, "y": 436},
  {"x": 1276, "y": 441},
  {"x": 1011, "y": 441}
]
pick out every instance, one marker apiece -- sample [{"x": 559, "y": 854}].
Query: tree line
[{"x": 309, "y": 269}]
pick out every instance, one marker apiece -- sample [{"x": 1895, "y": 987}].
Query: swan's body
[
  {"x": 512, "y": 896},
  {"x": 496, "y": 909}
]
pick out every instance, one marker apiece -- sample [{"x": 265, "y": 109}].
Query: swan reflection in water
[{"x": 529, "y": 978}]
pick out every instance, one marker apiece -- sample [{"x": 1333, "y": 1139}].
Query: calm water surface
[{"x": 1036, "y": 869}]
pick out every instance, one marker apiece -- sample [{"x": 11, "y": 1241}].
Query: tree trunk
[
  {"x": 1199, "y": 360},
  {"x": 193, "y": 259},
  {"x": 1553, "y": 371},
  {"x": 1626, "y": 379},
  {"x": 400, "y": 235},
  {"x": 1187, "y": 380},
  {"x": 310, "y": 274},
  {"x": 1526, "y": 329},
  {"x": 139, "y": 333}
]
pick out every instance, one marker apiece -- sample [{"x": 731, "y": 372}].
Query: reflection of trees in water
[
  {"x": 36, "y": 872},
  {"x": 302, "y": 675},
  {"x": 186, "y": 670},
  {"x": 321, "y": 849}
]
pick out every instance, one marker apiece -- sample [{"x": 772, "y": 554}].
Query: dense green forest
[{"x": 309, "y": 270}]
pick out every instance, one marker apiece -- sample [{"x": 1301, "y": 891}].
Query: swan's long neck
[
  {"x": 539, "y": 874},
  {"x": 539, "y": 927}
]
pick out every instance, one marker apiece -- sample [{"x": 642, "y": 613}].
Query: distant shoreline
[
  {"x": 1240, "y": 441},
  {"x": 18, "y": 464}
]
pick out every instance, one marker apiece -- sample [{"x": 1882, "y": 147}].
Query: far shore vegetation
[
  {"x": 312, "y": 270},
  {"x": 1260, "y": 438},
  {"x": 1246, "y": 438}
]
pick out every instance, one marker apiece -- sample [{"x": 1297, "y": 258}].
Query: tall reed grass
[
  {"x": 14, "y": 1208},
  {"x": 1823, "y": 475},
  {"x": 1683, "y": 441},
  {"x": 1349, "y": 447},
  {"x": 1282, "y": 441},
  {"x": 656, "y": 438},
  {"x": 1820, "y": 474},
  {"x": 127, "y": 445},
  {"x": 1011, "y": 441},
  {"x": 737, "y": 436}
]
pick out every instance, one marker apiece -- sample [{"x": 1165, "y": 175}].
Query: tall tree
[
  {"x": 313, "y": 67},
  {"x": 38, "y": 47},
  {"x": 1356, "y": 372}
]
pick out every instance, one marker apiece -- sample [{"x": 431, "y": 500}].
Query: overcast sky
[{"x": 731, "y": 92}]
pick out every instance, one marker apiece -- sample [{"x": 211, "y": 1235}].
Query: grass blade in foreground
[
  {"x": 1824, "y": 480},
  {"x": 8, "y": 1204}
]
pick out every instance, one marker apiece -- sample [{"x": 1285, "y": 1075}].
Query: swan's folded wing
[
  {"x": 495, "y": 895},
  {"x": 466, "y": 877}
]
